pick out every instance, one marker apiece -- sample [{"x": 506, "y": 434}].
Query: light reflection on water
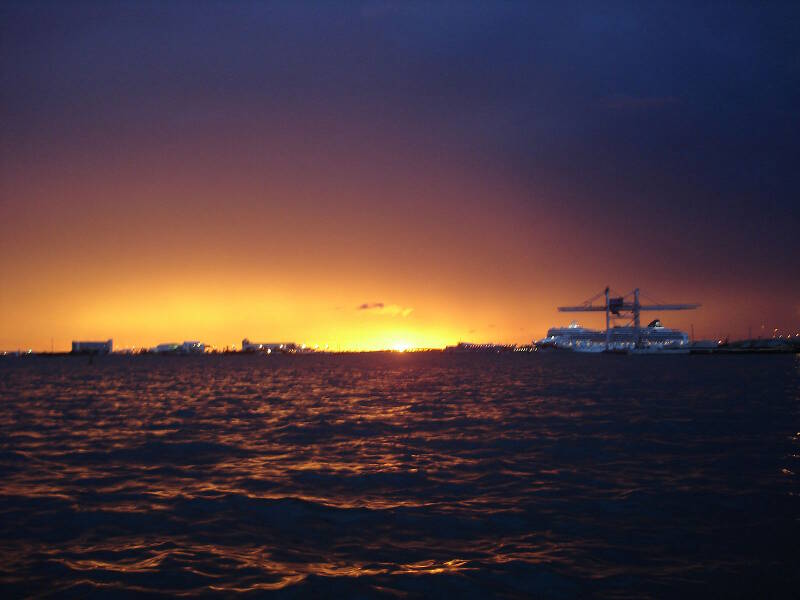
[{"x": 411, "y": 474}]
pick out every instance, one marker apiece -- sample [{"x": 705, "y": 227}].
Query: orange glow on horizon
[{"x": 191, "y": 249}]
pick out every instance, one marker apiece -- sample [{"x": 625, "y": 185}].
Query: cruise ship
[
  {"x": 655, "y": 338},
  {"x": 629, "y": 338}
]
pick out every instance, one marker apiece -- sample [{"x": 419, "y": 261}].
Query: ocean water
[{"x": 400, "y": 476}]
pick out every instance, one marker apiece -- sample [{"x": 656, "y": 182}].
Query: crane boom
[
  {"x": 668, "y": 306},
  {"x": 629, "y": 307}
]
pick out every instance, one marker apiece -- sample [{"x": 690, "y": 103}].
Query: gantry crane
[{"x": 619, "y": 307}]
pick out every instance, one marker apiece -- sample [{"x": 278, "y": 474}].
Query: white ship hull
[{"x": 618, "y": 340}]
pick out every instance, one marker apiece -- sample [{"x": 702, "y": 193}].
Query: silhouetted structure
[
  {"x": 464, "y": 347},
  {"x": 92, "y": 347},
  {"x": 248, "y": 346},
  {"x": 176, "y": 348}
]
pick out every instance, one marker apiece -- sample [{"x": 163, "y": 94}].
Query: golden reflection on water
[
  {"x": 285, "y": 573},
  {"x": 432, "y": 567}
]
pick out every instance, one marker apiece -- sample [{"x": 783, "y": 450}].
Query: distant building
[
  {"x": 92, "y": 347},
  {"x": 193, "y": 347},
  {"x": 464, "y": 347},
  {"x": 184, "y": 348},
  {"x": 168, "y": 348},
  {"x": 248, "y": 346}
]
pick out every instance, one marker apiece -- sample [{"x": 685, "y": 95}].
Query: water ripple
[{"x": 399, "y": 475}]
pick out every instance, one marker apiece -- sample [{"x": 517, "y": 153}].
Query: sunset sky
[{"x": 384, "y": 174}]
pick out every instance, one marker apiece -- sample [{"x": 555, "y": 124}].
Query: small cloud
[
  {"x": 624, "y": 102},
  {"x": 391, "y": 310},
  {"x": 395, "y": 310},
  {"x": 370, "y": 305}
]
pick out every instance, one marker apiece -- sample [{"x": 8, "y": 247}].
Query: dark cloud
[
  {"x": 389, "y": 310},
  {"x": 370, "y": 305}
]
